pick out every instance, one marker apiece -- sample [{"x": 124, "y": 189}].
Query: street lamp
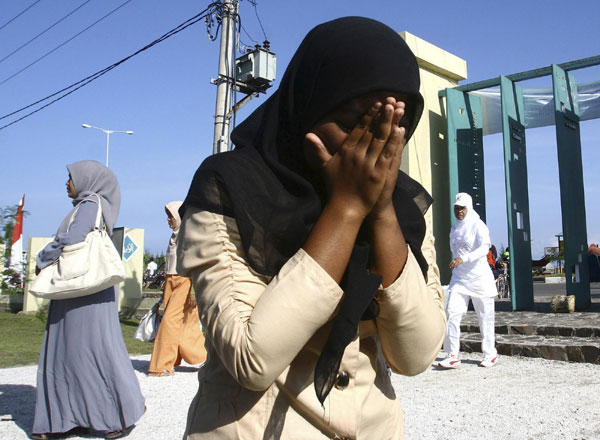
[{"x": 108, "y": 132}]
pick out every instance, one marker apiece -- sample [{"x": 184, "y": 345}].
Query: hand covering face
[{"x": 275, "y": 197}]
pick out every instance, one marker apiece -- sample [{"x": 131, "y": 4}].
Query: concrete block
[
  {"x": 591, "y": 353},
  {"x": 522, "y": 330},
  {"x": 574, "y": 354}
]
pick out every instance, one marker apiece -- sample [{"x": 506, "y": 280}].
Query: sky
[{"x": 165, "y": 95}]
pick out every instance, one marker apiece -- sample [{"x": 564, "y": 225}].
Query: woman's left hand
[
  {"x": 384, "y": 205},
  {"x": 455, "y": 263},
  {"x": 190, "y": 301}
]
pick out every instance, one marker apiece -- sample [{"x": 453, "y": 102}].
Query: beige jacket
[{"x": 263, "y": 338}]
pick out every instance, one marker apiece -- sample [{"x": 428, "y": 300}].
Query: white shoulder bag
[
  {"x": 82, "y": 268},
  {"x": 148, "y": 327}
]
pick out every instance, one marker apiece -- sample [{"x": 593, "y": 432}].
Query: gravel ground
[{"x": 520, "y": 398}]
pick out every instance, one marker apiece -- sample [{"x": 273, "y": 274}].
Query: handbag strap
[{"x": 98, "y": 213}]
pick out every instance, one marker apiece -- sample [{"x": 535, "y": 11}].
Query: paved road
[{"x": 545, "y": 290}]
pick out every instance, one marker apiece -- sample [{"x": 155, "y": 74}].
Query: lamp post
[
  {"x": 108, "y": 132},
  {"x": 561, "y": 243}
]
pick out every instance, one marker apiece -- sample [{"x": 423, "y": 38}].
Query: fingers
[
  {"x": 391, "y": 155},
  {"x": 399, "y": 112},
  {"x": 385, "y": 141},
  {"x": 360, "y": 134},
  {"x": 319, "y": 149},
  {"x": 381, "y": 128},
  {"x": 398, "y": 142},
  {"x": 378, "y": 136}
]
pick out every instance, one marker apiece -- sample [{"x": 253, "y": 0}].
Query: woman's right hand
[
  {"x": 455, "y": 263},
  {"x": 190, "y": 301},
  {"x": 357, "y": 171}
]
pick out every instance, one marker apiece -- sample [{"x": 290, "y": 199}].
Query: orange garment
[
  {"x": 179, "y": 335},
  {"x": 490, "y": 258}
]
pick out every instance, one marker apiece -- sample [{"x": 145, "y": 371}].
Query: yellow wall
[
  {"x": 425, "y": 158},
  {"x": 30, "y": 302},
  {"x": 130, "y": 290}
]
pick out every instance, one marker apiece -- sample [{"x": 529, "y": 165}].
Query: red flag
[{"x": 16, "y": 252}]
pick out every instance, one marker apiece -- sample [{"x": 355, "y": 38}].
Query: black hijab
[{"x": 267, "y": 186}]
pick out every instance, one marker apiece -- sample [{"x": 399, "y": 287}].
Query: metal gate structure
[{"x": 466, "y": 171}]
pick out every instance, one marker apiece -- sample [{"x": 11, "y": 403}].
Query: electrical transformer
[{"x": 256, "y": 68}]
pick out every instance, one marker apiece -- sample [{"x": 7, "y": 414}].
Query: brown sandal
[
  {"x": 119, "y": 433},
  {"x": 164, "y": 373}
]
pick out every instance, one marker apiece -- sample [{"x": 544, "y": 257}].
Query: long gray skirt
[{"x": 85, "y": 377}]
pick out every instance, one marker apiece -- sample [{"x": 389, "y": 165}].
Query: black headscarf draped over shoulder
[{"x": 267, "y": 186}]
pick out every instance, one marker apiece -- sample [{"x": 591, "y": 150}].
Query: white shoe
[
  {"x": 489, "y": 362},
  {"x": 450, "y": 362}
]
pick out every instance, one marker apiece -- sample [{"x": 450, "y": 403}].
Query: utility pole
[
  {"x": 252, "y": 73},
  {"x": 225, "y": 82}
]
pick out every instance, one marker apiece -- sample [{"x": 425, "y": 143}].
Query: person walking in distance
[
  {"x": 472, "y": 279},
  {"x": 179, "y": 336}
]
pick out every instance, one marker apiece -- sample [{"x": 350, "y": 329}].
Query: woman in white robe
[{"x": 472, "y": 280}]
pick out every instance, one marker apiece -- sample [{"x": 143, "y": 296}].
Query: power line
[
  {"x": 253, "y": 3},
  {"x": 46, "y": 30},
  {"x": 211, "y": 17},
  {"x": 246, "y": 32},
  {"x": 85, "y": 81},
  {"x": 62, "y": 44},
  {"x": 19, "y": 14}
]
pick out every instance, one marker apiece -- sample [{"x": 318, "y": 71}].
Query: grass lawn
[{"x": 22, "y": 337}]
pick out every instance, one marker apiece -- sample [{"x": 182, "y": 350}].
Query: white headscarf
[
  {"x": 172, "y": 208},
  {"x": 467, "y": 238},
  {"x": 465, "y": 226}
]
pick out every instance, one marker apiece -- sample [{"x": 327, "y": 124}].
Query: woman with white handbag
[{"x": 85, "y": 380}]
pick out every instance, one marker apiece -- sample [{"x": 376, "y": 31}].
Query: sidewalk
[{"x": 520, "y": 398}]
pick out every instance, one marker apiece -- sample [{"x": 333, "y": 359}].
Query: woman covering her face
[
  {"x": 312, "y": 263},
  {"x": 85, "y": 381}
]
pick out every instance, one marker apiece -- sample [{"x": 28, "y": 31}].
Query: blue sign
[{"x": 129, "y": 248}]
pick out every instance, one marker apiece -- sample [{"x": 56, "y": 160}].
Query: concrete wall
[
  {"x": 130, "y": 290},
  {"x": 425, "y": 158},
  {"x": 32, "y": 304}
]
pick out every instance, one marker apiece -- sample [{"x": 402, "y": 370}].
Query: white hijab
[{"x": 465, "y": 227}]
